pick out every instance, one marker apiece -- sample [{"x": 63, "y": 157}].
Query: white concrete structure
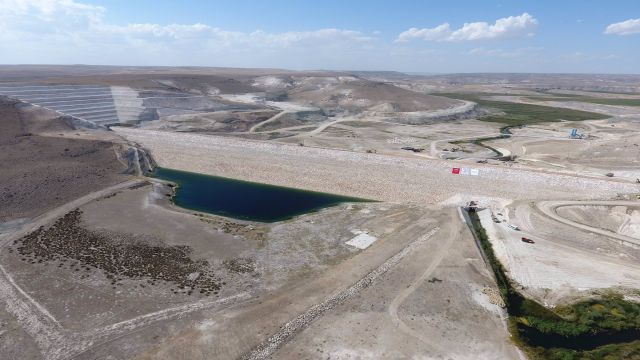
[{"x": 362, "y": 241}]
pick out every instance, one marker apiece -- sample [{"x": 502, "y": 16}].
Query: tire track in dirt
[
  {"x": 549, "y": 208},
  {"x": 302, "y": 321},
  {"x": 415, "y": 284},
  {"x": 34, "y": 318}
]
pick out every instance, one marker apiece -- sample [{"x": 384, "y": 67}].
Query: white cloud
[
  {"x": 48, "y": 10},
  {"x": 628, "y": 27},
  {"x": 582, "y": 56},
  {"x": 225, "y": 37},
  {"x": 512, "y": 26},
  {"x": 74, "y": 31},
  {"x": 69, "y": 24},
  {"x": 440, "y": 32}
]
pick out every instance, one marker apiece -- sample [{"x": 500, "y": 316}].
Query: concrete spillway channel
[{"x": 99, "y": 104}]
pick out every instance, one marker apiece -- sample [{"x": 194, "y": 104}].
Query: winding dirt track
[
  {"x": 302, "y": 321},
  {"x": 269, "y": 120},
  {"x": 549, "y": 209},
  {"x": 35, "y": 319},
  {"x": 415, "y": 284},
  {"x": 53, "y": 340},
  {"x": 52, "y": 215}
]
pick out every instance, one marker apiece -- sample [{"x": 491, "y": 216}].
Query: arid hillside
[{"x": 44, "y": 163}]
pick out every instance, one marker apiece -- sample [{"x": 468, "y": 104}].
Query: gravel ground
[
  {"x": 563, "y": 261},
  {"x": 288, "y": 330},
  {"x": 620, "y": 219},
  {"x": 431, "y": 305},
  {"x": 370, "y": 176}
]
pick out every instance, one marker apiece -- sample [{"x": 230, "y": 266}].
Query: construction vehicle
[
  {"x": 411, "y": 148},
  {"x": 472, "y": 206}
]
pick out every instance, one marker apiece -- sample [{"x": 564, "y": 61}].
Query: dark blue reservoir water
[{"x": 243, "y": 199}]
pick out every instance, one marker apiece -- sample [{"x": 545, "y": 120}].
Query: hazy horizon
[
  {"x": 411, "y": 73},
  {"x": 453, "y": 37}
]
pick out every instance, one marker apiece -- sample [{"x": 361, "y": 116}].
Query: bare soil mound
[
  {"x": 214, "y": 122},
  {"x": 620, "y": 219},
  {"x": 357, "y": 94}
]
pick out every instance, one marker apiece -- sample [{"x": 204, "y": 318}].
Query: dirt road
[
  {"x": 34, "y": 318},
  {"x": 413, "y": 286},
  {"x": 552, "y": 269},
  {"x": 288, "y": 330},
  {"x": 412, "y": 311},
  {"x": 549, "y": 208},
  {"x": 55, "y": 341}
]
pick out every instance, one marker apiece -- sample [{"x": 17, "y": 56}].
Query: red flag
[{"x": 455, "y": 171}]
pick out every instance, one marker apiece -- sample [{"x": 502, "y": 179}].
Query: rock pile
[{"x": 494, "y": 296}]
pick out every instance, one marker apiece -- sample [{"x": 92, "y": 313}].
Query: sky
[{"x": 541, "y": 36}]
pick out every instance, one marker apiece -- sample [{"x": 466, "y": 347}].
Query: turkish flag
[{"x": 455, "y": 171}]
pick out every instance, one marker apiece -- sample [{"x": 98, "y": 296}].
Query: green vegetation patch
[
  {"x": 600, "y": 328},
  {"x": 587, "y": 99},
  {"x": 628, "y": 351},
  {"x": 480, "y": 142},
  {"x": 611, "y": 313},
  {"x": 515, "y": 114}
]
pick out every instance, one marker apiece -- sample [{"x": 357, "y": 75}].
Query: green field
[
  {"x": 524, "y": 114},
  {"x": 602, "y": 101},
  {"x": 628, "y": 351}
]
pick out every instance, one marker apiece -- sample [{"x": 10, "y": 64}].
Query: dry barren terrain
[{"x": 98, "y": 262}]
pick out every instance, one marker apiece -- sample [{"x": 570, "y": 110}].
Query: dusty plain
[{"x": 96, "y": 262}]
